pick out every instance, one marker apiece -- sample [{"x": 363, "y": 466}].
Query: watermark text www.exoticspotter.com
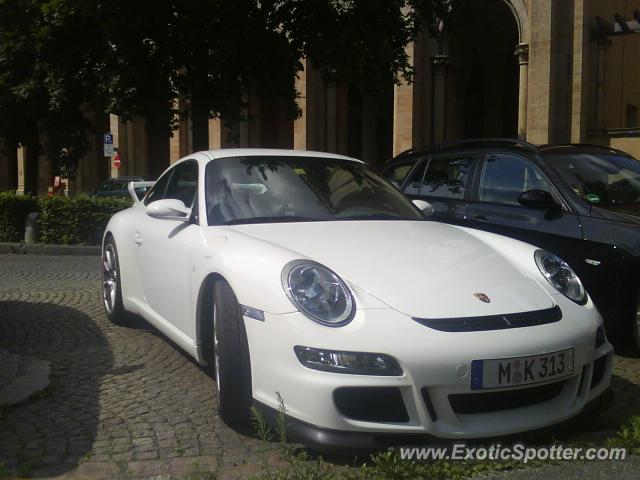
[{"x": 518, "y": 452}]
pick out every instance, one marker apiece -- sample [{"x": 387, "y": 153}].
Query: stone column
[
  {"x": 580, "y": 71},
  {"x": 22, "y": 168},
  {"x": 114, "y": 129},
  {"x": 522, "y": 54},
  {"x": 403, "y": 110},
  {"x": 181, "y": 143},
  {"x": 181, "y": 140},
  {"x": 300, "y": 123},
  {"x": 539, "y": 73},
  {"x": 215, "y": 136},
  {"x": 598, "y": 122},
  {"x": 439, "y": 125}
]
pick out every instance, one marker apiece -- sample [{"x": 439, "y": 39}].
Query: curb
[{"x": 45, "y": 249}]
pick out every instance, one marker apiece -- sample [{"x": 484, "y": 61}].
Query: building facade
[{"x": 540, "y": 70}]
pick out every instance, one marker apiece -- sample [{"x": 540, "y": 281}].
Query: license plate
[{"x": 510, "y": 372}]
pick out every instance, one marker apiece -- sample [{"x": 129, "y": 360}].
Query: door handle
[
  {"x": 480, "y": 218},
  {"x": 138, "y": 238}
]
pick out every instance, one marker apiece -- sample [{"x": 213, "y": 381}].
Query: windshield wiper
[
  {"x": 278, "y": 219},
  {"x": 373, "y": 216}
]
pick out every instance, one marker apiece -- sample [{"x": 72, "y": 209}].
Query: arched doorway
[{"x": 483, "y": 73}]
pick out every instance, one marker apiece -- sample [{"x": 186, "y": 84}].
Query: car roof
[
  {"x": 254, "y": 152},
  {"x": 580, "y": 148},
  {"x": 510, "y": 143}
]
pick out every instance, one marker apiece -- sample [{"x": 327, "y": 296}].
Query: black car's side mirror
[{"x": 538, "y": 199}]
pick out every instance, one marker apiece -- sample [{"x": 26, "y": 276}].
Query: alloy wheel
[{"x": 109, "y": 278}]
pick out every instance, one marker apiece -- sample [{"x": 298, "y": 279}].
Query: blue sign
[{"x": 108, "y": 138}]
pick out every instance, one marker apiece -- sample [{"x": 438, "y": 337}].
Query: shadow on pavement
[{"x": 55, "y": 429}]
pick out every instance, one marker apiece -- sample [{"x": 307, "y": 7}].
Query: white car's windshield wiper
[
  {"x": 373, "y": 216},
  {"x": 280, "y": 219}
]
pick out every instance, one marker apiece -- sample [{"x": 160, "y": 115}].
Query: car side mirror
[
  {"x": 169, "y": 209},
  {"x": 538, "y": 199},
  {"x": 425, "y": 207}
]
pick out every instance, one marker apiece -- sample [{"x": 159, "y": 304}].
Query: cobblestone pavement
[{"x": 125, "y": 402}]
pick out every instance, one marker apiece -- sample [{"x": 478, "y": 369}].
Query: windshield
[
  {"x": 264, "y": 189},
  {"x": 605, "y": 180}
]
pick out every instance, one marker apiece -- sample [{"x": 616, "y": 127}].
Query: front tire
[
  {"x": 231, "y": 363},
  {"x": 111, "y": 284}
]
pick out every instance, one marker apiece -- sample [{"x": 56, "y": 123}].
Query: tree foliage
[{"x": 60, "y": 59}]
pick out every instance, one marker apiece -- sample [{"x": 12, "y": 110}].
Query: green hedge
[
  {"x": 77, "y": 220},
  {"x": 13, "y": 211}
]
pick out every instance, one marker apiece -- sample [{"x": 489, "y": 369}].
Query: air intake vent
[{"x": 470, "y": 403}]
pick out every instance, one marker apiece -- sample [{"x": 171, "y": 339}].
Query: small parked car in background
[
  {"x": 117, "y": 187},
  {"x": 581, "y": 202}
]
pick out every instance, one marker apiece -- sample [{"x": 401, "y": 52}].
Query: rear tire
[
  {"x": 231, "y": 365},
  {"x": 111, "y": 283}
]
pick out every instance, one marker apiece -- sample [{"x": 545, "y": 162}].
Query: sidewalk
[{"x": 45, "y": 249}]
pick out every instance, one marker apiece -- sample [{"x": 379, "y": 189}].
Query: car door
[
  {"x": 443, "y": 181},
  {"x": 503, "y": 176},
  {"x": 164, "y": 248}
]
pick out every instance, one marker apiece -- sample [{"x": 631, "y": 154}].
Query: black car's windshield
[
  {"x": 606, "y": 180},
  {"x": 265, "y": 189}
]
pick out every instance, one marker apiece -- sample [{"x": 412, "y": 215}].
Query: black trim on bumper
[
  {"x": 493, "y": 322},
  {"x": 338, "y": 442}
]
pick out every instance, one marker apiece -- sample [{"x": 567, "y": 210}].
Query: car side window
[
  {"x": 183, "y": 184},
  {"x": 447, "y": 177},
  {"x": 396, "y": 174},
  {"x": 158, "y": 189},
  {"x": 506, "y": 176},
  {"x": 413, "y": 185}
]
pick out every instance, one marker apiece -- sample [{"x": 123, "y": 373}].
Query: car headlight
[
  {"x": 561, "y": 276},
  {"x": 318, "y": 292}
]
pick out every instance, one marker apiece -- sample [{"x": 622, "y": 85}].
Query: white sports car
[{"x": 307, "y": 276}]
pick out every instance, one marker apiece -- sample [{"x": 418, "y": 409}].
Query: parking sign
[{"x": 108, "y": 144}]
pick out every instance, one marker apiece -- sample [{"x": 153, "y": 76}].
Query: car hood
[
  {"x": 628, "y": 214},
  {"x": 422, "y": 269}
]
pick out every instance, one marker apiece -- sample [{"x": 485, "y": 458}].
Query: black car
[
  {"x": 118, "y": 187},
  {"x": 581, "y": 202}
]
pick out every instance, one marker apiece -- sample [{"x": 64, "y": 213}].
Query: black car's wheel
[
  {"x": 231, "y": 363},
  {"x": 111, "y": 285}
]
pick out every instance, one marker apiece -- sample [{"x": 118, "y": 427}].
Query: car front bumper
[{"x": 436, "y": 365}]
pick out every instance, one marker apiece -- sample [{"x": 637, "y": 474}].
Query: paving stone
[
  {"x": 96, "y": 470},
  {"x": 148, "y": 468},
  {"x": 184, "y": 466}
]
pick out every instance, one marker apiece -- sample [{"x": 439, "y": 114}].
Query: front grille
[
  {"x": 371, "y": 404},
  {"x": 493, "y": 322},
  {"x": 470, "y": 403},
  {"x": 599, "y": 366}
]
